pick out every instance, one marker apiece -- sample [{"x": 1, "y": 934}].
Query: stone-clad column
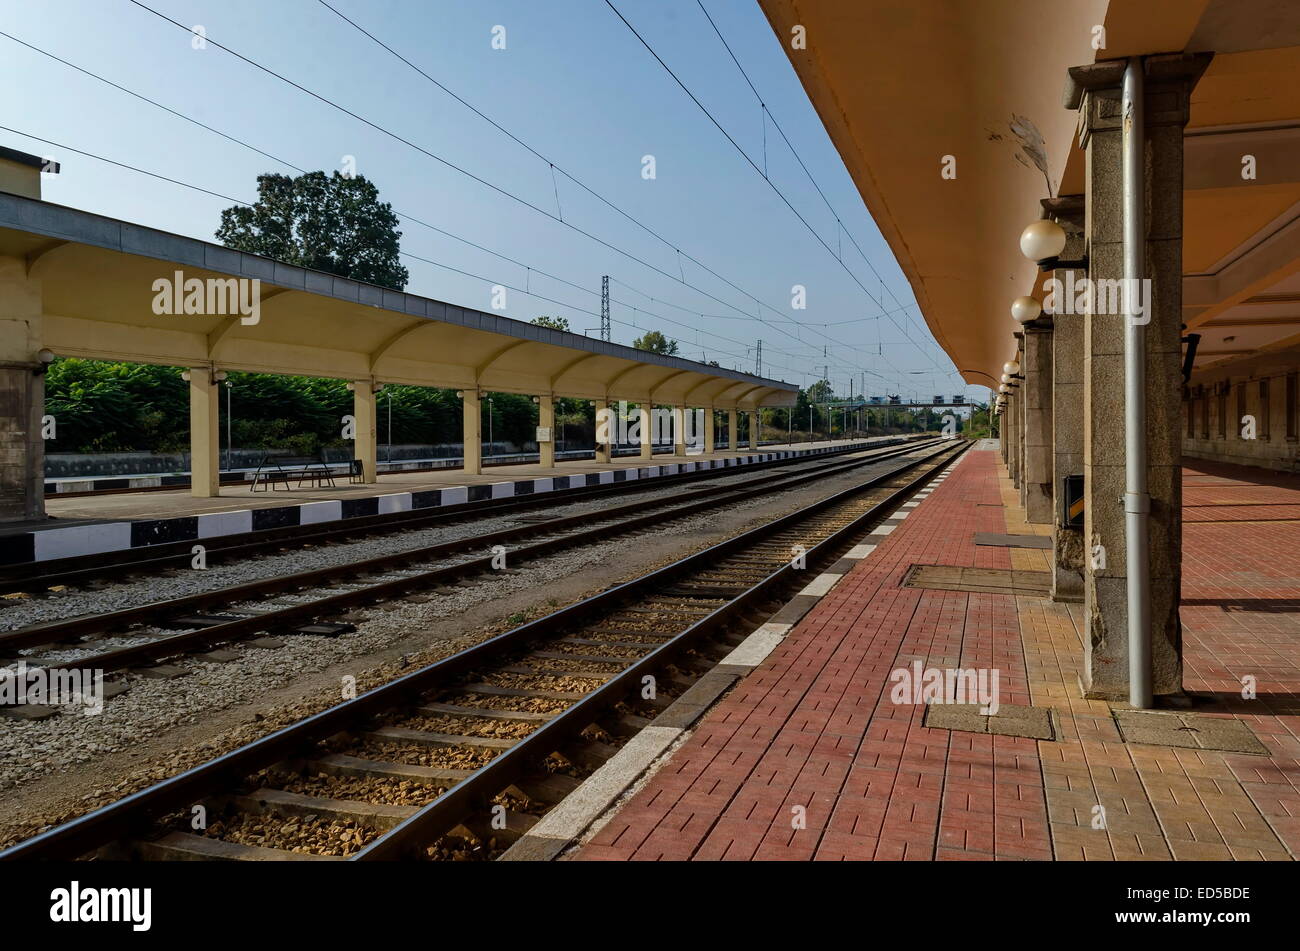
[
  {"x": 1067, "y": 402},
  {"x": 22, "y": 392},
  {"x": 1037, "y": 386},
  {"x": 1013, "y": 435},
  {"x": 1168, "y": 85}
]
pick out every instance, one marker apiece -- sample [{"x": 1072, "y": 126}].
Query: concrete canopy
[
  {"x": 900, "y": 84},
  {"x": 95, "y": 277}
]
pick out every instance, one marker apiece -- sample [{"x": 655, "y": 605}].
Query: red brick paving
[{"x": 808, "y": 758}]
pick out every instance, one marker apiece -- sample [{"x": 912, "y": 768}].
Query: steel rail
[
  {"x": 79, "y": 569},
  {"x": 130, "y": 816},
  {"x": 641, "y": 514},
  {"x": 473, "y": 794}
]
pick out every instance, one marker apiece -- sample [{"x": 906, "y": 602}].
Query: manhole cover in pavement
[
  {"x": 987, "y": 580},
  {"x": 1011, "y": 719},
  {"x": 1188, "y": 731}
]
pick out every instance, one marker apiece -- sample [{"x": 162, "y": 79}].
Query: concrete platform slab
[{"x": 92, "y": 524}]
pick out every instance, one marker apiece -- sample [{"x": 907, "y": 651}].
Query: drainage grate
[
  {"x": 1011, "y": 719},
  {"x": 987, "y": 580},
  {"x": 1188, "y": 731}
]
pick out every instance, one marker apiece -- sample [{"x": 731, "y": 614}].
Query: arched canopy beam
[
  {"x": 230, "y": 323},
  {"x": 572, "y": 365},
  {"x": 383, "y": 349},
  {"x": 666, "y": 380}
]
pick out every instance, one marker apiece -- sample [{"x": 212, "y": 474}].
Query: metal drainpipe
[{"x": 1137, "y": 503}]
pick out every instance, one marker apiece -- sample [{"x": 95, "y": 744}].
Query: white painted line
[
  {"x": 455, "y": 495},
  {"x": 884, "y": 529},
  {"x": 753, "y": 650},
  {"x": 503, "y": 490},
  {"x": 81, "y": 540},
  {"x": 309, "y": 513},
  {"x": 821, "y": 585},
  {"x": 570, "y": 818},
  {"x": 860, "y": 551},
  {"x": 397, "y": 502},
  {"x": 225, "y": 523}
]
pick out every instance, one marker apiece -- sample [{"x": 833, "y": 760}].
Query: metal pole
[
  {"x": 1137, "y": 503},
  {"x": 389, "y": 448},
  {"x": 230, "y": 426}
]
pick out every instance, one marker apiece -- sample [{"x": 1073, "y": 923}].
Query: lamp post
[
  {"x": 230, "y": 422},
  {"x": 388, "y": 451}
]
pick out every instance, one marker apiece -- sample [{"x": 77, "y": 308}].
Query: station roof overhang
[
  {"x": 97, "y": 277},
  {"x": 900, "y": 84}
]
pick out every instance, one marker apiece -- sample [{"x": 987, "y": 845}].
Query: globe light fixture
[
  {"x": 1011, "y": 368},
  {"x": 1025, "y": 309},
  {"x": 1043, "y": 241}
]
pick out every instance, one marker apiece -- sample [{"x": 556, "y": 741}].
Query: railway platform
[
  {"x": 820, "y": 754},
  {"x": 95, "y": 524}
]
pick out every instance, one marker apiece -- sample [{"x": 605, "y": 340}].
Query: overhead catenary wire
[
  {"x": 780, "y": 194},
  {"x": 556, "y": 168},
  {"x": 402, "y": 214}
]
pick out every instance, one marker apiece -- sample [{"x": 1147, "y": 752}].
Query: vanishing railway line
[
  {"x": 39, "y": 577},
  {"x": 302, "y": 602},
  {"x": 457, "y": 759}
]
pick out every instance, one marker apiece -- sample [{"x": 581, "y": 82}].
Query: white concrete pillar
[
  {"x": 205, "y": 465},
  {"x": 605, "y": 430},
  {"x": 709, "y": 433},
  {"x": 472, "y": 438},
  {"x": 753, "y": 430},
  {"x": 733, "y": 430},
  {"x": 365, "y": 414},
  {"x": 546, "y": 429},
  {"x": 647, "y": 437},
  {"x": 679, "y": 430}
]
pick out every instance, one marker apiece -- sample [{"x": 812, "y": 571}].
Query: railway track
[
  {"x": 38, "y": 577},
  {"x": 457, "y": 759},
  {"x": 302, "y": 603}
]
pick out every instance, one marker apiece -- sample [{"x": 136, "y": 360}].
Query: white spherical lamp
[
  {"x": 1042, "y": 241},
  {"x": 1025, "y": 309}
]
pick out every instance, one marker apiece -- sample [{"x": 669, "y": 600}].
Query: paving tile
[{"x": 819, "y": 724}]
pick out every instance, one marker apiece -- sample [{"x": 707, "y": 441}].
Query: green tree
[
  {"x": 555, "y": 323},
  {"x": 655, "y": 342},
  {"x": 333, "y": 223}
]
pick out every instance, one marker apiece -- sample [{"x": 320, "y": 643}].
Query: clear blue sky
[{"x": 573, "y": 82}]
